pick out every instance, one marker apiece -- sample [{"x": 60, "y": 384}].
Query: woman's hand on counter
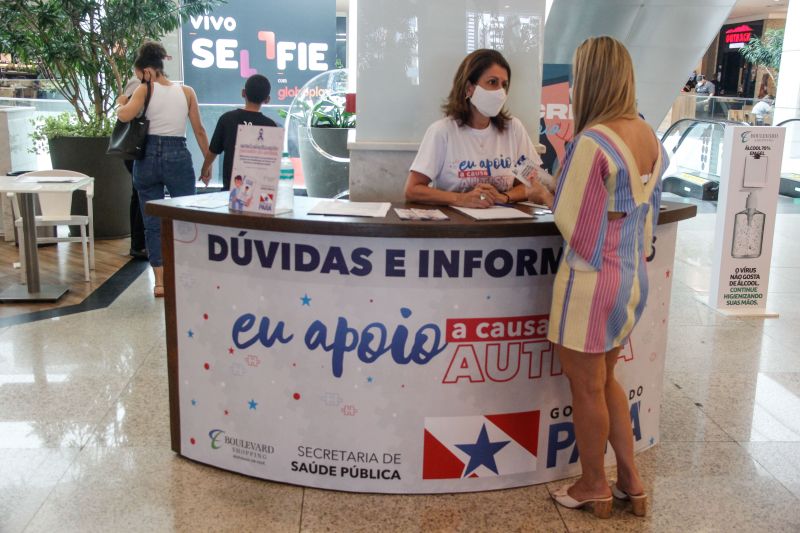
[
  {"x": 539, "y": 194},
  {"x": 481, "y": 197}
]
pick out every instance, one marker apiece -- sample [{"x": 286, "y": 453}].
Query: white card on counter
[
  {"x": 496, "y": 212},
  {"x": 541, "y": 207},
  {"x": 420, "y": 214},
  {"x": 351, "y": 209}
]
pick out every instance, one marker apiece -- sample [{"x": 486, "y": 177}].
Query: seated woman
[{"x": 468, "y": 158}]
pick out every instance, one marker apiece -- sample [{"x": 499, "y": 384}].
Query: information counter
[{"x": 380, "y": 355}]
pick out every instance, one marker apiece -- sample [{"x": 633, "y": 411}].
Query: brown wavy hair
[
  {"x": 151, "y": 55},
  {"x": 471, "y": 69},
  {"x": 603, "y": 86}
]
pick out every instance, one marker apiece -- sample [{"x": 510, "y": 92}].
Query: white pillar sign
[
  {"x": 748, "y": 200},
  {"x": 256, "y": 169}
]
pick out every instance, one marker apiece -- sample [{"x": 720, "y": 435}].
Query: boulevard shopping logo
[
  {"x": 459, "y": 447},
  {"x": 243, "y": 449}
]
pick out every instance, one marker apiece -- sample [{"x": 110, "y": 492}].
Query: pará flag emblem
[{"x": 479, "y": 446}]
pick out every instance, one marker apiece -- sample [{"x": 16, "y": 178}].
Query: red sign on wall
[{"x": 739, "y": 34}]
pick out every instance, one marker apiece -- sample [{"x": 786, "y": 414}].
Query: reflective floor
[{"x": 84, "y": 430}]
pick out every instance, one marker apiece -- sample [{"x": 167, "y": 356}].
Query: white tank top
[{"x": 168, "y": 111}]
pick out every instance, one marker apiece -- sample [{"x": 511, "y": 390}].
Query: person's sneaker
[{"x": 140, "y": 254}]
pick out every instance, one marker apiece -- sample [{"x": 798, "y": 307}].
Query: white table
[{"x": 25, "y": 188}]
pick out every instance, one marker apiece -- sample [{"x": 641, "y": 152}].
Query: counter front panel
[{"x": 384, "y": 364}]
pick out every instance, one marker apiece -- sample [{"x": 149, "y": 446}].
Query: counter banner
[
  {"x": 388, "y": 365},
  {"x": 256, "y": 169},
  {"x": 748, "y": 201}
]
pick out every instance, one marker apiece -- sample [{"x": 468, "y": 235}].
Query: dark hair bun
[{"x": 151, "y": 54}]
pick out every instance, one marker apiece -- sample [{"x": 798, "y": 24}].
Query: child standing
[{"x": 255, "y": 93}]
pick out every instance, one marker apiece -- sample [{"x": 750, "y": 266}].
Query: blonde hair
[{"x": 603, "y": 86}]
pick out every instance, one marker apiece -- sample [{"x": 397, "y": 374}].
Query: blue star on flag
[
  {"x": 482, "y": 452},
  {"x": 191, "y": 334},
  {"x": 306, "y": 300},
  {"x": 194, "y": 402},
  {"x": 252, "y": 404}
]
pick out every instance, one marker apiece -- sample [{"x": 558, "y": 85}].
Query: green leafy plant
[
  {"x": 87, "y": 47},
  {"x": 765, "y": 52},
  {"x": 328, "y": 113},
  {"x": 66, "y": 125}
]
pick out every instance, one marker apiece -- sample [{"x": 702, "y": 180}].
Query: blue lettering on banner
[
  {"x": 562, "y": 437},
  {"x": 369, "y": 344},
  {"x": 428, "y": 342},
  {"x": 297, "y": 257},
  {"x": 436, "y": 263},
  {"x": 245, "y": 323}
]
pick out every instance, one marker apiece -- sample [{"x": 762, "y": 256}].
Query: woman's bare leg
[
  {"x": 587, "y": 377},
  {"x": 620, "y": 430}
]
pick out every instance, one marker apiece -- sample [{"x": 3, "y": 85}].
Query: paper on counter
[
  {"x": 495, "y": 212},
  {"x": 541, "y": 207},
  {"x": 208, "y": 201},
  {"x": 352, "y": 209},
  {"x": 420, "y": 214}
]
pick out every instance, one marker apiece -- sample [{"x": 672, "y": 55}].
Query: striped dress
[{"x": 600, "y": 289}]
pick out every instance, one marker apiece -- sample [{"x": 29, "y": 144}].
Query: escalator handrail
[
  {"x": 694, "y": 122},
  {"x": 787, "y": 121}
]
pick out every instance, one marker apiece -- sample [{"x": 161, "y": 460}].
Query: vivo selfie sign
[{"x": 288, "y": 43}]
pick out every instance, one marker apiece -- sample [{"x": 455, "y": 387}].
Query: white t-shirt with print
[{"x": 458, "y": 158}]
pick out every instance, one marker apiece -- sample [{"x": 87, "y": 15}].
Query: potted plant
[
  {"x": 87, "y": 49},
  {"x": 323, "y": 123}
]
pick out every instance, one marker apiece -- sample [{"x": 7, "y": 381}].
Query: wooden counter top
[{"x": 299, "y": 221}]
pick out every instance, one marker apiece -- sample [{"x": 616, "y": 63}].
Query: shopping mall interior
[{"x": 122, "y": 411}]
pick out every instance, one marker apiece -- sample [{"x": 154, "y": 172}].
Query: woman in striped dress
[{"x": 606, "y": 207}]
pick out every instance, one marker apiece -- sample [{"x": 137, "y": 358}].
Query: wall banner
[
  {"x": 388, "y": 365},
  {"x": 556, "y": 123},
  {"x": 288, "y": 42},
  {"x": 748, "y": 201}
]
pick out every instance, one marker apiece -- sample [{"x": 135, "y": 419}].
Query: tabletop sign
[
  {"x": 748, "y": 200},
  {"x": 256, "y": 169}
]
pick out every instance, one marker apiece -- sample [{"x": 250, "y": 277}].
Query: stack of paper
[
  {"x": 420, "y": 214},
  {"x": 353, "y": 209},
  {"x": 496, "y": 212}
]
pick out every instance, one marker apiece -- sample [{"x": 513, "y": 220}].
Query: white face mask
[{"x": 489, "y": 103}]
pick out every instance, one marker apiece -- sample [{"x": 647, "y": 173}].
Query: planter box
[
  {"x": 112, "y": 183},
  {"x": 324, "y": 177}
]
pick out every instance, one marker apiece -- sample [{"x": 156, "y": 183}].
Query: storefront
[{"x": 734, "y": 76}]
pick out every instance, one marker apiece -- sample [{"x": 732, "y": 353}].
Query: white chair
[{"x": 55, "y": 209}]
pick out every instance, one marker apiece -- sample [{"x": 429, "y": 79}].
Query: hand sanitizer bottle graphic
[{"x": 748, "y": 230}]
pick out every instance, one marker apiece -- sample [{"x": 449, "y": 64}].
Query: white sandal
[
  {"x": 601, "y": 507},
  {"x": 638, "y": 502}
]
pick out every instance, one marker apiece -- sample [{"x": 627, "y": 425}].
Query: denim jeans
[{"x": 167, "y": 163}]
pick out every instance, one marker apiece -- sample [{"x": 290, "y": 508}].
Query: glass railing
[
  {"x": 690, "y": 106},
  {"x": 695, "y": 148}
]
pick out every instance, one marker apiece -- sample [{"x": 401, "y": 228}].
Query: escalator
[
  {"x": 790, "y": 166},
  {"x": 695, "y": 151}
]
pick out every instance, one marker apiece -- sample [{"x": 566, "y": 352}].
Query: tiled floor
[{"x": 84, "y": 435}]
